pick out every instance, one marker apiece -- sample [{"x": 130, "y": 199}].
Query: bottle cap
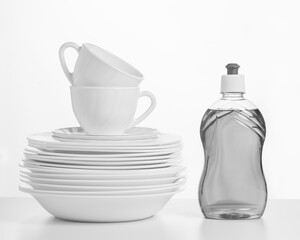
[{"x": 233, "y": 82}]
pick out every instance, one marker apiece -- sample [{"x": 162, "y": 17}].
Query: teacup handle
[
  {"x": 62, "y": 59},
  {"x": 148, "y": 111}
]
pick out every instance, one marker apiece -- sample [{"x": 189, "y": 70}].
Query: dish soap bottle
[{"x": 233, "y": 131}]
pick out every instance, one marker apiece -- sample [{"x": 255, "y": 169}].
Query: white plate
[
  {"x": 109, "y": 193},
  {"x": 32, "y": 163},
  {"x": 93, "y": 150},
  {"x": 112, "y": 182},
  {"x": 157, "y": 171},
  {"x": 85, "y": 162},
  {"x": 102, "y": 208},
  {"x": 103, "y": 155},
  {"x": 142, "y": 139},
  {"x": 136, "y": 133},
  {"x": 162, "y": 141},
  {"x": 78, "y": 158},
  {"x": 102, "y": 190},
  {"x": 104, "y": 148},
  {"x": 155, "y": 176}
]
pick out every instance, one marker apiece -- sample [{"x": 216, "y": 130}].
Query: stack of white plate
[{"x": 110, "y": 178}]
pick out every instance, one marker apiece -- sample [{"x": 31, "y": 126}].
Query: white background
[{"x": 181, "y": 47}]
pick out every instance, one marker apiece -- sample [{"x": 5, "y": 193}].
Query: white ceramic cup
[
  {"x": 96, "y": 67},
  {"x": 108, "y": 111}
]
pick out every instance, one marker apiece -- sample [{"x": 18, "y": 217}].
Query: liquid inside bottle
[{"x": 233, "y": 185}]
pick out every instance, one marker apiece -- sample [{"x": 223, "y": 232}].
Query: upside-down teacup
[{"x": 96, "y": 67}]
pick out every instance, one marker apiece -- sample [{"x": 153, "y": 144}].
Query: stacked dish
[{"x": 102, "y": 178}]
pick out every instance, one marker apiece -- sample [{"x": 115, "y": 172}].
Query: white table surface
[{"x": 24, "y": 218}]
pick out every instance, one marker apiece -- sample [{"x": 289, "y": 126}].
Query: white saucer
[{"x": 135, "y": 133}]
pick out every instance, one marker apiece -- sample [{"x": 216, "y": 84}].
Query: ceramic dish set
[
  {"x": 105, "y": 90},
  {"x": 107, "y": 170}
]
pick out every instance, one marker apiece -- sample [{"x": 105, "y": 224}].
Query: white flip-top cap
[{"x": 232, "y": 82}]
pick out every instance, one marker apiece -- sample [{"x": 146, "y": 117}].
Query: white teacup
[
  {"x": 96, "y": 67},
  {"x": 108, "y": 111}
]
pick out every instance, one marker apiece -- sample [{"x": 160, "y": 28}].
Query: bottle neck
[{"x": 233, "y": 96}]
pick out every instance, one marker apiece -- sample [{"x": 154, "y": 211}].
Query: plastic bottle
[{"x": 233, "y": 131}]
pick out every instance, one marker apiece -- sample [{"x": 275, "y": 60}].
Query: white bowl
[{"x": 103, "y": 208}]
